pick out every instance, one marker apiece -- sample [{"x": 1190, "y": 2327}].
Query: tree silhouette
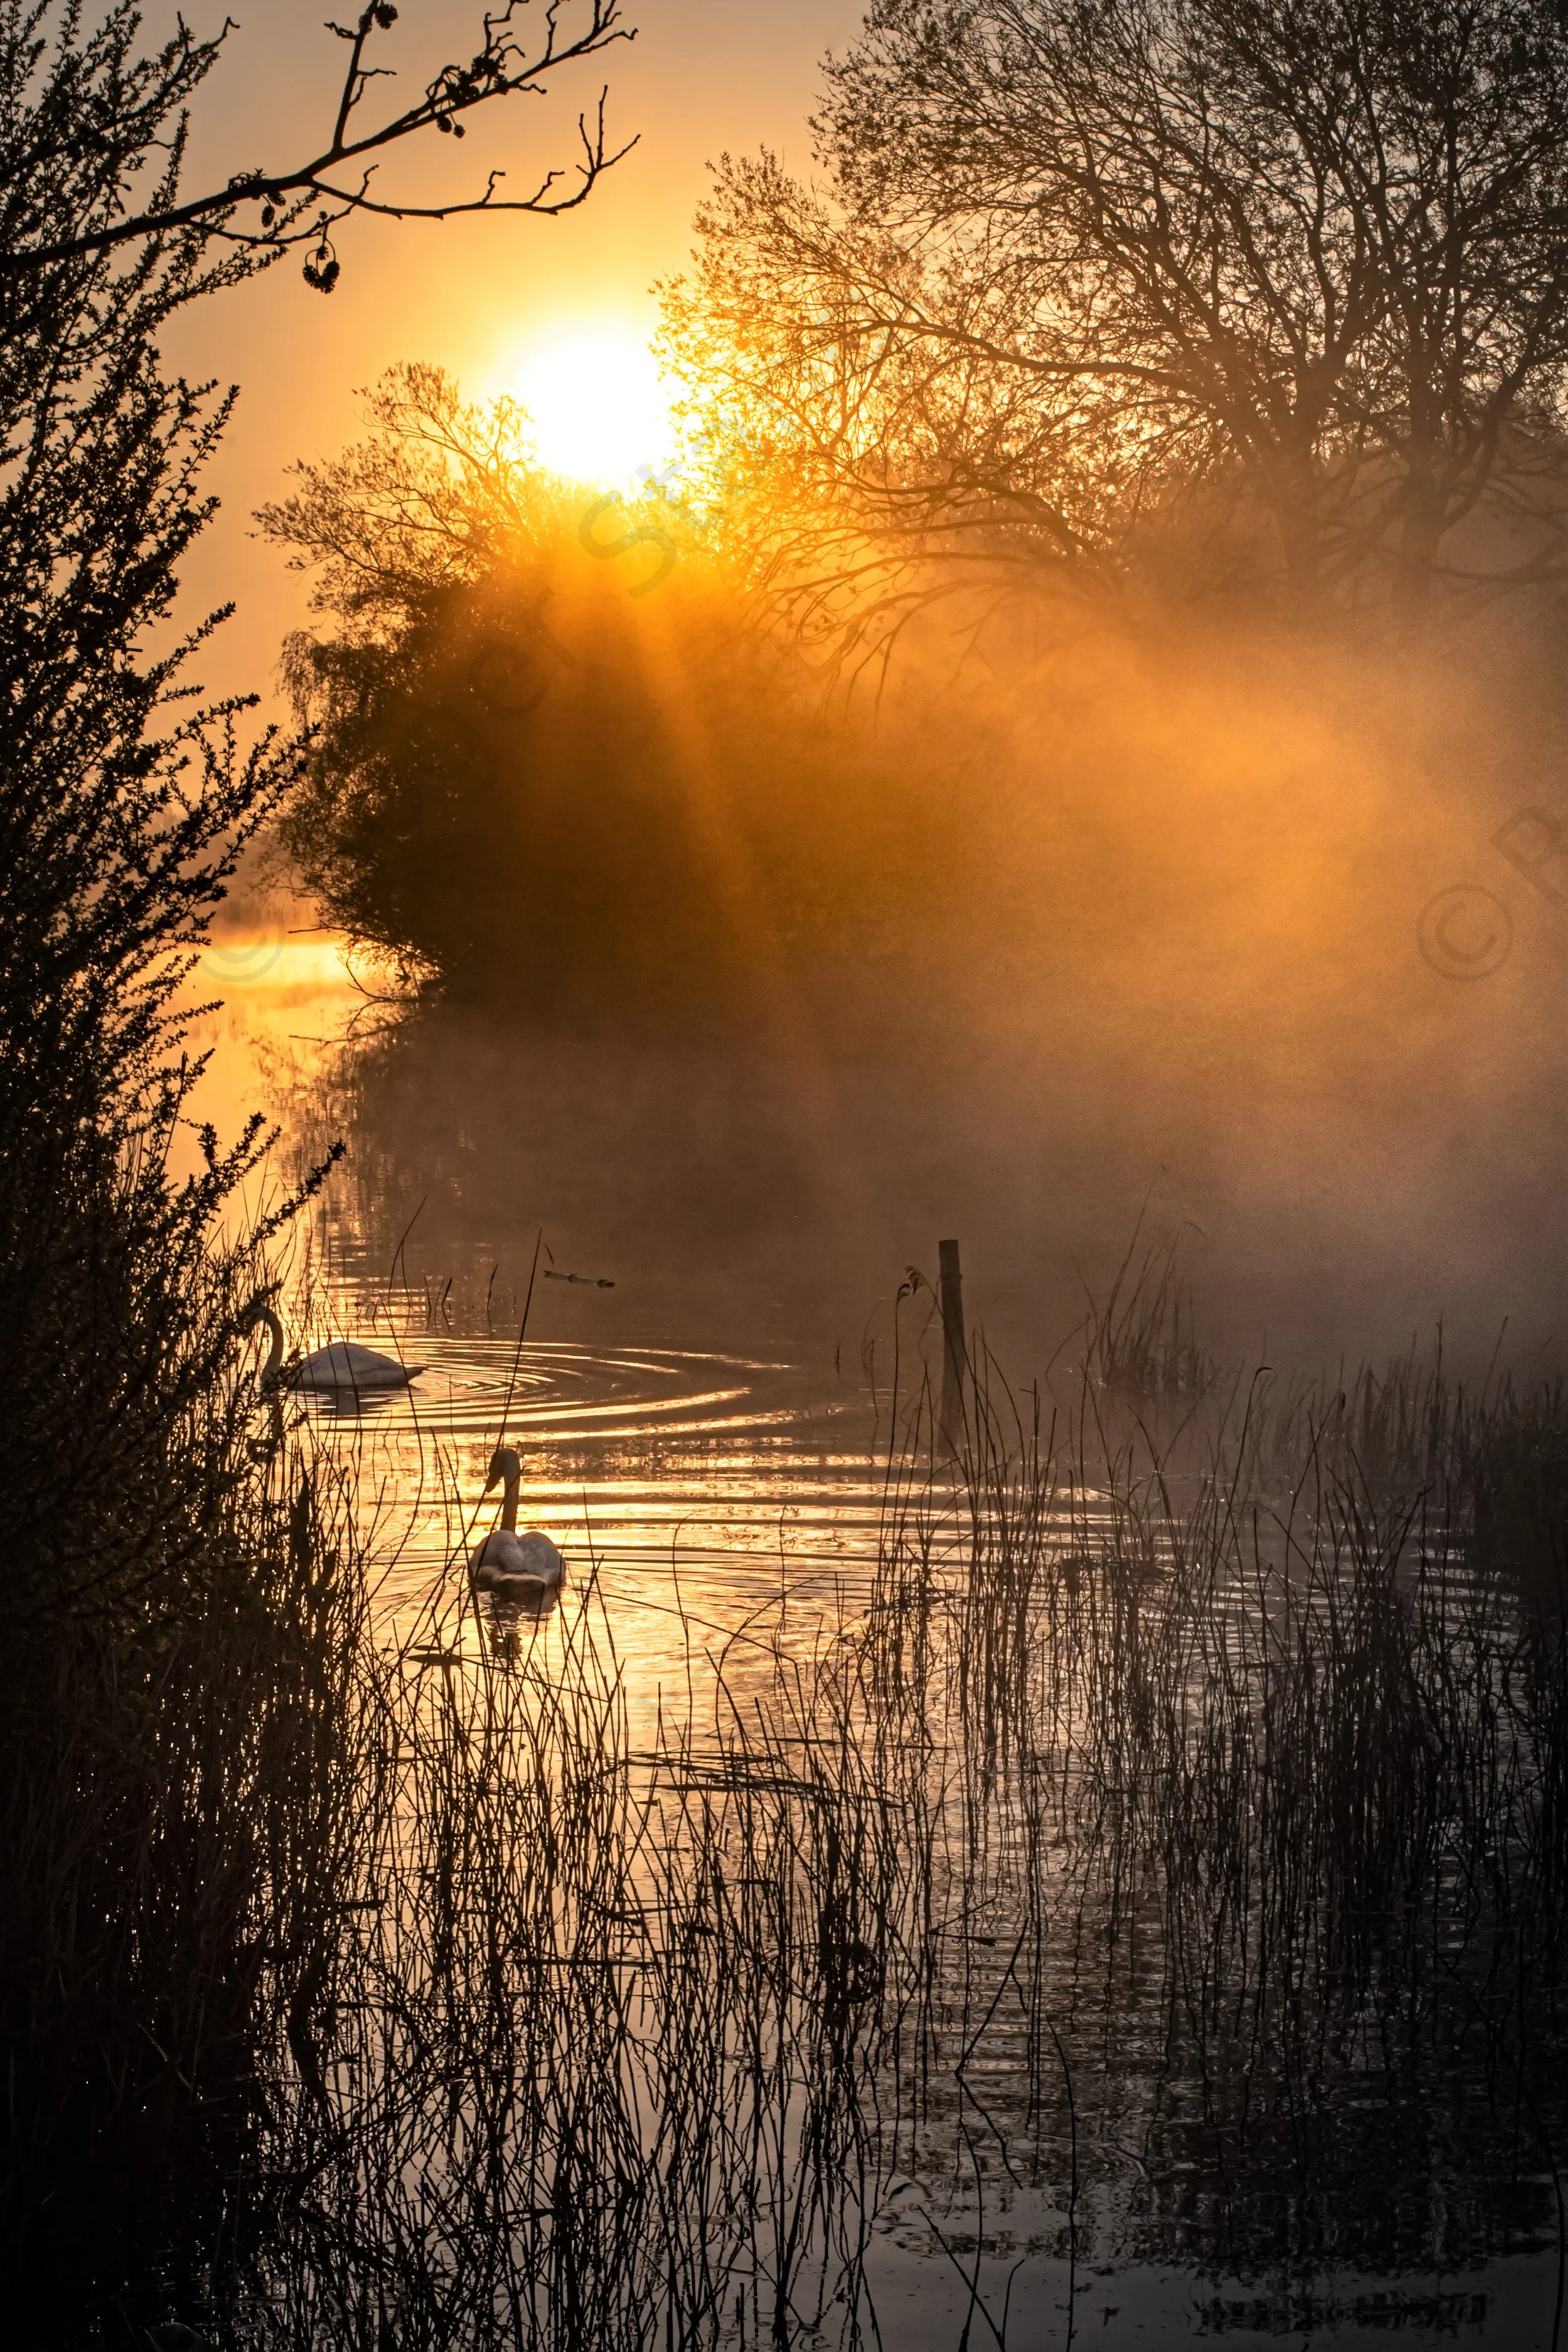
[
  {"x": 84, "y": 114},
  {"x": 125, "y": 800},
  {"x": 1295, "y": 279}
]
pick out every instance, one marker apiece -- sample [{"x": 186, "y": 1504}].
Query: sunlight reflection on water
[
  {"x": 690, "y": 1502},
  {"x": 711, "y": 1501},
  {"x": 693, "y": 1487}
]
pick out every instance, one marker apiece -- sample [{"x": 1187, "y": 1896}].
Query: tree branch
[{"x": 500, "y": 68}]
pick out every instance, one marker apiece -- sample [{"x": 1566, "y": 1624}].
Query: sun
[{"x": 599, "y": 409}]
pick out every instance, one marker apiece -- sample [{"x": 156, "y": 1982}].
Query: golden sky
[{"x": 482, "y": 297}]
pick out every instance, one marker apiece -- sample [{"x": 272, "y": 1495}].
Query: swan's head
[
  {"x": 258, "y": 1311},
  {"x": 504, "y": 1467}
]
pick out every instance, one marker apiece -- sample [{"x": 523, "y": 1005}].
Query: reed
[
  {"x": 1167, "y": 1843},
  {"x": 178, "y": 1635}
]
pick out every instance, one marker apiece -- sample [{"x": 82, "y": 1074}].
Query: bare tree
[
  {"x": 64, "y": 166},
  {"x": 854, "y": 444},
  {"x": 1077, "y": 264}
]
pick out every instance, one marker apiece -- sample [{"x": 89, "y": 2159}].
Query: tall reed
[{"x": 1167, "y": 1841}]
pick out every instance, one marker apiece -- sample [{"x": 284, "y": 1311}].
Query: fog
[{"x": 1176, "y": 971}]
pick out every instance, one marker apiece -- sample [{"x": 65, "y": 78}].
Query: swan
[
  {"x": 344, "y": 1365},
  {"x": 514, "y": 1567}
]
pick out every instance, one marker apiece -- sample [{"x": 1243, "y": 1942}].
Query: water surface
[{"x": 706, "y": 1416}]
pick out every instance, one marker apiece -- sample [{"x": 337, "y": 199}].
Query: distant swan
[
  {"x": 514, "y": 1567},
  {"x": 344, "y": 1365}
]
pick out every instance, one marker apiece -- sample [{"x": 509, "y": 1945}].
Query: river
[{"x": 694, "y": 1293}]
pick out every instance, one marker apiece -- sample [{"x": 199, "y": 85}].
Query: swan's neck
[
  {"x": 509, "y": 1504},
  {"x": 274, "y": 1363}
]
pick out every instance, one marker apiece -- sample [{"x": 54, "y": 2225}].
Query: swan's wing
[
  {"x": 543, "y": 1559},
  {"x": 329, "y": 1368},
  {"x": 346, "y": 1365},
  {"x": 500, "y": 1554}
]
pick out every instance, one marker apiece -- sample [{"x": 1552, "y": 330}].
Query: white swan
[
  {"x": 514, "y": 1567},
  {"x": 345, "y": 1365}
]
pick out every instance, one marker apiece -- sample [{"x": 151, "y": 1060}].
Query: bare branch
[
  {"x": 1286, "y": 288},
  {"x": 501, "y": 68}
]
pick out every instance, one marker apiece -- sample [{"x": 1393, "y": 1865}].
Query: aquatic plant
[{"x": 1168, "y": 1845}]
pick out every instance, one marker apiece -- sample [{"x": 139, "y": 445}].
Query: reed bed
[
  {"x": 172, "y": 1832},
  {"x": 1163, "y": 1853},
  {"x": 1165, "y": 1856}
]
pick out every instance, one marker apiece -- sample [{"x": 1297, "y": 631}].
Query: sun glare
[{"x": 598, "y": 406}]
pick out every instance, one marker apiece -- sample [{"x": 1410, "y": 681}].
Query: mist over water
[
  {"x": 1184, "y": 1004},
  {"x": 1259, "y": 955},
  {"x": 670, "y": 1793}
]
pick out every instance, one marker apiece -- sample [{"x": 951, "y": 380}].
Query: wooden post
[{"x": 950, "y": 1423}]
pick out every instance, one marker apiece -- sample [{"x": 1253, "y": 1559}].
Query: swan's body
[
  {"x": 505, "y": 1559},
  {"x": 344, "y": 1367},
  {"x": 514, "y": 1567}
]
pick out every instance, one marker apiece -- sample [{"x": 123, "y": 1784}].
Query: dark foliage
[
  {"x": 166, "y": 1701},
  {"x": 124, "y": 806},
  {"x": 582, "y": 780},
  {"x": 172, "y": 1835},
  {"x": 600, "y": 816}
]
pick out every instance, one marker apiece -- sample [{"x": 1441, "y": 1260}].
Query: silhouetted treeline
[
  {"x": 1226, "y": 300},
  {"x": 559, "y": 760},
  {"x": 1139, "y": 319}
]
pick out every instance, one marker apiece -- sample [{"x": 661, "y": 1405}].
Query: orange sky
[{"x": 701, "y": 77}]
